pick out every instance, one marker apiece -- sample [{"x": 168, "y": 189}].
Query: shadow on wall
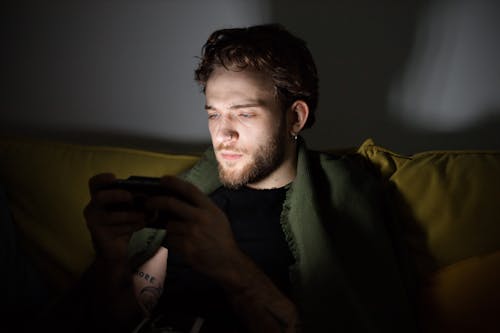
[{"x": 361, "y": 48}]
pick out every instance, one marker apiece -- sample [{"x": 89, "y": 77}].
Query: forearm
[{"x": 259, "y": 303}]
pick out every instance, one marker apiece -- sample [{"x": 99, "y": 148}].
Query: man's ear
[{"x": 299, "y": 112}]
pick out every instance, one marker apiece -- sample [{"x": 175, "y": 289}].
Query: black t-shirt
[{"x": 255, "y": 221}]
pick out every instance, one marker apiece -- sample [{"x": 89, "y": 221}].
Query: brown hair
[{"x": 269, "y": 48}]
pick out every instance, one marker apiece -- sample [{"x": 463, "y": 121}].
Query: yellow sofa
[{"x": 448, "y": 201}]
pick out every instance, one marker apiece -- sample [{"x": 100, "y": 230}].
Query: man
[{"x": 262, "y": 235}]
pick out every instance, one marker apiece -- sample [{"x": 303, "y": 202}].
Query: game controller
[
  {"x": 138, "y": 186},
  {"x": 141, "y": 189}
]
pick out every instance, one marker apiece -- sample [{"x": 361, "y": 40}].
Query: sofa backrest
[
  {"x": 46, "y": 186},
  {"x": 451, "y": 196},
  {"x": 448, "y": 200}
]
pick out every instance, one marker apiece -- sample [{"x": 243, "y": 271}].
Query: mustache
[{"x": 231, "y": 148}]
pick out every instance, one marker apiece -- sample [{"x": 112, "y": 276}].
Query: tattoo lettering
[
  {"x": 149, "y": 278},
  {"x": 148, "y": 292}
]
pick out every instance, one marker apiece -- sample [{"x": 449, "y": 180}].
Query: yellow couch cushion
[
  {"x": 450, "y": 200},
  {"x": 46, "y": 184},
  {"x": 452, "y": 196},
  {"x": 386, "y": 161}
]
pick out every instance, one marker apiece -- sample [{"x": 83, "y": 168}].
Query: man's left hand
[{"x": 196, "y": 228}]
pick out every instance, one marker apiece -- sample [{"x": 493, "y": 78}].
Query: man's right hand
[
  {"x": 110, "y": 228},
  {"x": 106, "y": 288}
]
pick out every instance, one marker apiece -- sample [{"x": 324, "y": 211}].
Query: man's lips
[{"x": 230, "y": 156}]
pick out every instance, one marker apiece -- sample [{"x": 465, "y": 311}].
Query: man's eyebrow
[
  {"x": 246, "y": 105},
  {"x": 238, "y": 106}
]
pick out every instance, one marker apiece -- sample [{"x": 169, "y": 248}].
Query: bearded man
[{"x": 262, "y": 234}]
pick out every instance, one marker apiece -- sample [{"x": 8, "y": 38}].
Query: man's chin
[{"x": 232, "y": 179}]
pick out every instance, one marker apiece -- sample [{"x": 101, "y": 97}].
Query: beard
[{"x": 264, "y": 161}]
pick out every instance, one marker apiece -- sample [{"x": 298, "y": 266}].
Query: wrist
[
  {"x": 238, "y": 275},
  {"x": 253, "y": 295},
  {"x": 244, "y": 281},
  {"x": 111, "y": 275}
]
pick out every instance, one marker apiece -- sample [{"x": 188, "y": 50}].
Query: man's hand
[
  {"x": 196, "y": 228},
  {"x": 104, "y": 297},
  {"x": 110, "y": 228}
]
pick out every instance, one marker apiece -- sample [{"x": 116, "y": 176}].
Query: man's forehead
[
  {"x": 233, "y": 89},
  {"x": 234, "y": 77}
]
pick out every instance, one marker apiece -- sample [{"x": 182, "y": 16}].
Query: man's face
[{"x": 247, "y": 127}]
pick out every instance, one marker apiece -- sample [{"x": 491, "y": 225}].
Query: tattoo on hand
[{"x": 149, "y": 297}]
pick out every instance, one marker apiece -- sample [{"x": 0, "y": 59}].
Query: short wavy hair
[{"x": 268, "y": 48}]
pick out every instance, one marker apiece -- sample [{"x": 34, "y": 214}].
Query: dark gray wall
[
  {"x": 113, "y": 72},
  {"x": 413, "y": 75}
]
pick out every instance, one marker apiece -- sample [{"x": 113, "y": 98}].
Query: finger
[
  {"x": 176, "y": 235},
  {"x": 125, "y": 218},
  {"x": 108, "y": 198},
  {"x": 176, "y": 228},
  {"x": 185, "y": 190},
  {"x": 173, "y": 208},
  {"x": 113, "y": 231},
  {"x": 98, "y": 181},
  {"x": 99, "y": 217}
]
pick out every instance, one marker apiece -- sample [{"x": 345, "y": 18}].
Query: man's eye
[
  {"x": 246, "y": 115},
  {"x": 213, "y": 115}
]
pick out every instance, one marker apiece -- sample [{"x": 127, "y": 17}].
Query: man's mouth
[{"x": 230, "y": 156}]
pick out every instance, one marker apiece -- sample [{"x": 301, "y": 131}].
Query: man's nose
[{"x": 226, "y": 131}]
